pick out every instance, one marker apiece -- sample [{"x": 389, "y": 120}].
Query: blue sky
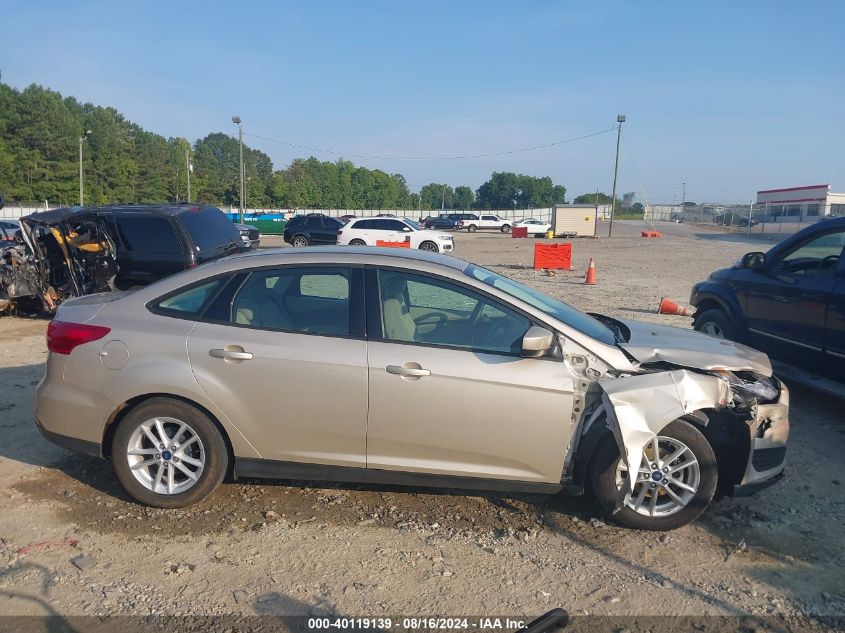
[{"x": 729, "y": 97}]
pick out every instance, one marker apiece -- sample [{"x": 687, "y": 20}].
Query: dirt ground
[{"x": 293, "y": 548}]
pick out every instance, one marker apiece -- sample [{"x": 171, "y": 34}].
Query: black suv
[
  {"x": 788, "y": 302},
  {"x": 304, "y": 230},
  {"x": 76, "y": 251}
]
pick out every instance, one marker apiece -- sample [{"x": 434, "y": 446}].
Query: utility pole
[
  {"x": 620, "y": 119},
  {"x": 237, "y": 121},
  {"x": 81, "y": 141},
  {"x": 188, "y": 170}
]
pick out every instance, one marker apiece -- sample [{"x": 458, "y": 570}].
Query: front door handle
[
  {"x": 410, "y": 372},
  {"x": 230, "y": 354}
]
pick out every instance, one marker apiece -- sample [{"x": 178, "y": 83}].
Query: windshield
[
  {"x": 413, "y": 224},
  {"x": 554, "y": 308}
]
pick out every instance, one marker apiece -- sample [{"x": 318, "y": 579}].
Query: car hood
[{"x": 651, "y": 343}]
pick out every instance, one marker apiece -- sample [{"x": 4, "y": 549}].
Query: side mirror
[
  {"x": 537, "y": 342},
  {"x": 407, "y": 229},
  {"x": 754, "y": 261}
]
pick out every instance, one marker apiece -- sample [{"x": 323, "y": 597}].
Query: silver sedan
[{"x": 375, "y": 365}]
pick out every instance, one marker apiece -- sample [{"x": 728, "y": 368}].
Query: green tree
[{"x": 464, "y": 198}]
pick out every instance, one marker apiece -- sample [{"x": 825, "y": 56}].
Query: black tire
[
  {"x": 506, "y": 228},
  {"x": 357, "y": 242},
  {"x": 603, "y": 479},
  {"x": 472, "y": 228},
  {"x": 716, "y": 322},
  {"x": 215, "y": 452},
  {"x": 430, "y": 247},
  {"x": 300, "y": 241}
]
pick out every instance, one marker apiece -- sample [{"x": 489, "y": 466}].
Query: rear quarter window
[{"x": 209, "y": 228}]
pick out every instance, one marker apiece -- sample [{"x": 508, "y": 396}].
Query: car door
[
  {"x": 787, "y": 301},
  {"x": 282, "y": 355},
  {"x": 450, "y": 393}
]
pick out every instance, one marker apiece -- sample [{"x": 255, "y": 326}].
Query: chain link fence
[{"x": 748, "y": 218}]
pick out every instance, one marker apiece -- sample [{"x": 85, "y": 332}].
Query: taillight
[
  {"x": 63, "y": 337},
  {"x": 339, "y": 231}
]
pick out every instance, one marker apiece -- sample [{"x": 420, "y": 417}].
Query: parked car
[
  {"x": 457, "y": 217},
  {"x": 70, "y": 252},
  {"x": 439, "y": 373},
  {"x": 305, "y": 230},
  {"x": 441, "y": 223},
  {"x": 735, "y": 219},
  {"x": 346, "y": 218},
  {"x": 486, "y": 222},
  {"x": 370, "y": 231},
  {"x": 250, "y": 235},
  {"x": 534, "y": 226},
  {"x": 8, "y": 230},
  {"x": 789, "y": 301}
]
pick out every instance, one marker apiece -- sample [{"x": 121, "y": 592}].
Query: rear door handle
[
  {"x": 230, "y": 354},
  {"x": 415, "y": 372}
]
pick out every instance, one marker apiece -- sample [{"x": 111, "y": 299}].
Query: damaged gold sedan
[{"x": 372, "y": 365}]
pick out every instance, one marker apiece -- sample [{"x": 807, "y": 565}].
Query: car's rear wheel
[
  {"x": 472, "y": 228},
  {"x": 430, "y": 247},
  {"x": 716, "y": 322},
  {"x": 506, "y": 228},
  {"x": 675, "y": 483},
  {"x": 168, "y": 454},
  {"x": 357, "y": 243},
  {"x": 300, "y": 240}
]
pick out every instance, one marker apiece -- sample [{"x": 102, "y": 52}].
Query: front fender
[{"x": 707, "y": 294}]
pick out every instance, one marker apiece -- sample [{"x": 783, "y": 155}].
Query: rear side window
[
  {"x": 209, "y": 228},
  {"x": 148, "y": 234},
  {"x": 191, "y": 301}
]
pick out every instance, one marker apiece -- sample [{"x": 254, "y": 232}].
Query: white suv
[
  {"x": 370, "y": 231},
  {"x": 486, "y": 222}
]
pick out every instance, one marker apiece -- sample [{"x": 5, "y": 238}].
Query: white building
[{"x": 799, "y": 204}]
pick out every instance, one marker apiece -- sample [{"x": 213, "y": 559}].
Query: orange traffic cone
[
  {"x": 667, "y": 306},
  {"x": 590, "y": 279}
]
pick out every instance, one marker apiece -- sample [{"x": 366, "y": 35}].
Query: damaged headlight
[{"x": 746, "y": 385}]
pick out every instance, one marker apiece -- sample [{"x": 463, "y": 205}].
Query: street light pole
[
  {"x": 620, "y": 119},
  {"x": 188, "y": 169},
  {"x": 237, "y": 121},
  {"x": 81, "y": 140}
]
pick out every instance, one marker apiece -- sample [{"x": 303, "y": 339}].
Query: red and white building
[{"x": 800, "y": 204}]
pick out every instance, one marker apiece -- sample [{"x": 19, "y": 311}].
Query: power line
[{"x": 466, "y": 157}]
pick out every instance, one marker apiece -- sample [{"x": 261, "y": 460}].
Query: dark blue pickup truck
[{"x": 788, "y": 302}]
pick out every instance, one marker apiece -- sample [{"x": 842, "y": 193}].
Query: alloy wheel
[
  {"x": 300, "y": 241},
  {"x": 668, "y": 478},
  {"x": 712, "y": 329},
  {"x": 165, "y": 455}
]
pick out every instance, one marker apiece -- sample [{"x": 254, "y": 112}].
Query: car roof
[
  {"x": 351, "y": 252},
  {"x": 57, "y": 216}
]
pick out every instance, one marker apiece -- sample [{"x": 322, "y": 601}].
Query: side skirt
[{"x": 271, "y": 469}]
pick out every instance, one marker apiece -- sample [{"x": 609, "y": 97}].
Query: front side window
[
  {"x": 817, "y": 258},
  {"x": 427, "y": 310},
  {"x": 305, "y": 300}
]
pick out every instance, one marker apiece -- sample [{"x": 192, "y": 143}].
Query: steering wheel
[{"x": 432, "y": 318}]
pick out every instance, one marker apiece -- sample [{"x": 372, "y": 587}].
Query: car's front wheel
[
  {"x": 675, "y": 483},
  {"x": 431, "y": 247},
  {"x": 716, "y": 322},
  {"x": 506, "y": 228},
  {"x": 168, "y": 454}
]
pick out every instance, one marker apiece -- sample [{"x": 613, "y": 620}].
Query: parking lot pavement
[{"x": 277, "y": 547}]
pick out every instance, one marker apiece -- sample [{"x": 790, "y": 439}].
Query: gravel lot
[{"x": 72, "y": 543}]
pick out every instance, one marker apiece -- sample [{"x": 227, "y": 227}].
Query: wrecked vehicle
[
  {"x": 441, "y": 373},
  {"x": 76, "y": 251}
]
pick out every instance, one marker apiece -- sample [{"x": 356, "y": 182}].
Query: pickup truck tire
[
  {"x": 472, "y": 228},
  {"x": 716, "y": 322},
  {"x": 506, "y": 228},
  {"x": 193, "y": 444},
  {"x": 700, "y": 475}
]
